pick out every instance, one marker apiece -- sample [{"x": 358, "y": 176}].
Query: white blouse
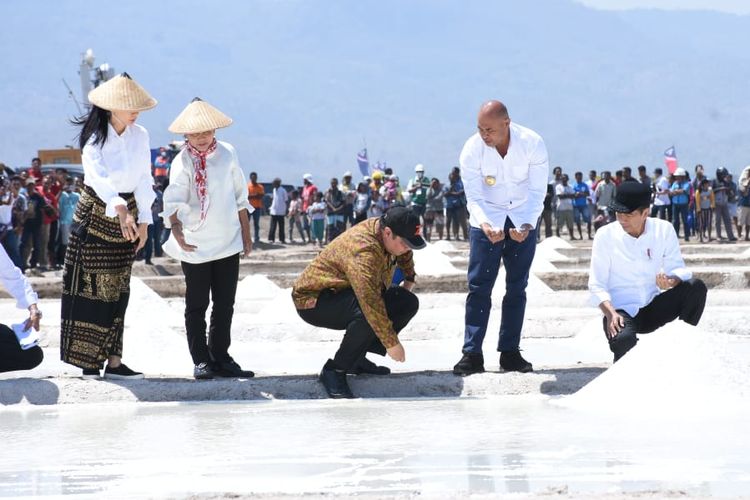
[
  {"x": 121, "y": 165},
  {"x": 15, "y": 282},
  {"x": 220, "y": 234}
]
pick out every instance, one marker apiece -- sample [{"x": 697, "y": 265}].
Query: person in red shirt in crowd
[
  {"x": 308, "y": 198},
  {"x": 35, "y": 172},
  {"x": 49, "y": 215}
]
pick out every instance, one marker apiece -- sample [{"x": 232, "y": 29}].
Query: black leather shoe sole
[
  {"x": 465, "y": 371},
  {"x": 520, "y": 369}
]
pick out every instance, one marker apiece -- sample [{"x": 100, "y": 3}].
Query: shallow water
[{"x": 500, "y": 445}]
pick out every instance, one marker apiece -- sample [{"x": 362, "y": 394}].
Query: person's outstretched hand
[{"x": 397, "y": 353}]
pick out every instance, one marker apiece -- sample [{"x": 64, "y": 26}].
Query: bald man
[{"x": 505, "y": 170}]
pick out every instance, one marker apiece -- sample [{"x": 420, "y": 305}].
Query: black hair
[
  {"x": 253, "y": 174},
  {"x": 95, "y": 123},
  {"x": 36, "y": 158}
]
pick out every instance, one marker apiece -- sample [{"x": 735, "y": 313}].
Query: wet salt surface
[{"x": 381, "y": 447}]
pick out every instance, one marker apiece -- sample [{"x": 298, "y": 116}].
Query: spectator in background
[
  {"x": 605, "y": 194},
  {"x": 581, "y": 205},
  {"x": 317, "y": 213},
  {"x": 546, "y": 214},
  {"x": 4, "y": 171},
  {"x": 295, "y": 216},
  {"x": 434, "y": 209},
  {"x": 699, "y": 176},
  {"x": 704, "y": 205},
  {"x": 255, "y": 193},
  {"x": 154, "y": 241},
  {"x": 362, "y": 203},
  {"x": 377, "y": 205},
  {"x": 680, "y": 192},
  {"x": 35, "y": 172},
  {"x": 732, "y": 203},
  {"x": 349, "y": 191},
  {"x": 455, "y": 206},
  {"x": 19, "y": 205},
  {"x": 661, "y": 195},
  {"x": 722, "y": 188},
  {"x": 565, "y": 195},
  {"x": 619, "y": 177},
  {"x": 277, "y": 210},
  {"x": 643, "y": 176},
  {"x": 389, "y": 190},
  {"x": 162, "y": 164},
  {"x": 6, "y": 220},
  {"x": 743, "y": 218},
  {"x": 31, "y": 239},
  {"x": 627, "y": 175},
  {"x": 417, "y": 188},
  {"x": 67, "y": 206},
  {"x": 335, "y": 206},
  {"x": 49, "y": 224},
  {"x": 308, "y": 198}
]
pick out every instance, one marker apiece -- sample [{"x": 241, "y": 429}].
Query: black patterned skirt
[{"x": 96, "y": 283}]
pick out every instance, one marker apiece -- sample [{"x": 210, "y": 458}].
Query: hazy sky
[{"x": 731, "y": 6}]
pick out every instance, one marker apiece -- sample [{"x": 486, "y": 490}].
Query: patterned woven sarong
[{"x": 96, "y": 283}]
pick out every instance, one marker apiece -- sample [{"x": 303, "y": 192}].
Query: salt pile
[
  {"x": 555, "y": 243},
  {"x": 154, "y": 334},
  {"x": 256, "y": 286},
  {"x": 430, "y": 261},
  {"x": 678, "y": 368},
  {"x": 534, "y": 287},
  {"x": 444, "y": 246}
]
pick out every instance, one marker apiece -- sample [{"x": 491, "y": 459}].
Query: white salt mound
[
  {"x": 675, "y": 369},
  {"x": 533, "y": 288},
  {"x": 444, "y": 246},
  {"x": 256, "y": 286},
  {"x": 548, "y": 253},
  {"x": 430, "y": 261},
  {"x": 554, "y": 242}
]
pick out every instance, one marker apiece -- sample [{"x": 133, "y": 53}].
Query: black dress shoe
[
  {"x": 90, "y": 373},
  {"x": 512, "y": 361},
  {"x": 469, "y": 364},
  {"x": 364, "y": 365},
  {"x": 203, "y": 371},
  {"x": 230, "y": 369},
  {"x": 335, "y": 382}
]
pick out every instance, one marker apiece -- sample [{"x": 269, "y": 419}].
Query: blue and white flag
[{"x": 363, "y": 162}]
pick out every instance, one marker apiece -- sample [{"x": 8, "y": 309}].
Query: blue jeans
[
  {"x": 256, "y": 224},
  {"x": 680, "y": 210},
  {"x": 484, "y": 264},
  {"x": 12, "y": 248}
]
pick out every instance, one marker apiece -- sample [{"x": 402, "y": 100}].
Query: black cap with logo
[
  {"x": 404, "y": 222},
  {"x": 631, "y": 196}
]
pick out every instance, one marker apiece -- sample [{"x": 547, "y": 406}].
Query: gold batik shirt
[{"x": 358, "y": 260}]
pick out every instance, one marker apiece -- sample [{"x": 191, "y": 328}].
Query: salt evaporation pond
[{"x": 519, "y": 444}]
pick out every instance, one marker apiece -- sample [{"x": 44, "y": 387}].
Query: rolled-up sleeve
[
  {"x": 15, "y": 282},
  {"x": 363, "y": 273},
  {"x": 472, "y": 177},
  {"x": 673, "y": 263},
  {"x": 177, "y": 194},
  {"x": 95, "y": 173},
  {"x": 599, "y": 273}
]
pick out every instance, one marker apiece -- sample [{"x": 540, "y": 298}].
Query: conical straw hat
[
  {"x": 199, "y": 116},
  {"x": 121, "y": 93}
]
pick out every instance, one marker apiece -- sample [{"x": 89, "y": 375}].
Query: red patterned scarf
[{"x": 199, "y": 165}]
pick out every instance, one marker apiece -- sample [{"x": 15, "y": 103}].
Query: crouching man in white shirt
[{"x": 638, "y": 277}]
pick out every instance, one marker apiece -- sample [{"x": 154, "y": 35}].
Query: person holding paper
[
  {"x": 638, "y": 277},
  {"x": 22, "y": 352}
]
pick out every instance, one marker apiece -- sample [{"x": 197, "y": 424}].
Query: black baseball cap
[
  {"x": 631, "y": 196},
  {"x": 404, "y": 222}
]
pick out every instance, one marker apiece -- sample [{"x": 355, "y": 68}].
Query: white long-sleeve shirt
[
  {"x": 278, "y": 201},
  {"x": 121, "y": 165},
  {"x": 623, "y": 268},
  {"x": 220, "y": 234},
  {"x": 520, "y": 179},
  {"x": 15, "y": 282}
]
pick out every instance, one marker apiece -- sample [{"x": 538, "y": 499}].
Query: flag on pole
[
  {"x": 670, "y": 159},
  {"x": 363, "y": 162}
]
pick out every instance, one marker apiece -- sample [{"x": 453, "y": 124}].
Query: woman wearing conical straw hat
[
  {"x": 109, "y": 227},
  {"x": 206, "y": 206}
]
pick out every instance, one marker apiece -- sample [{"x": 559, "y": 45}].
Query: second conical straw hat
[
  {"x": 199, "y": 116},
  {"x": 121, "y": 93}
]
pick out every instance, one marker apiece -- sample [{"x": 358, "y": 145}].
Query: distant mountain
[{"x": 307, "y": 81}]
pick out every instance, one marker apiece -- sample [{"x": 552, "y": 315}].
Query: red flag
[{"x": 670, "y": 159}]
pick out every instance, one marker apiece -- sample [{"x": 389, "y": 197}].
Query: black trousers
[
  {"x": 685, "y": 301},
  {"x": 341, "y": 311},
  {"x": 276, "y": 220},
  {"x": 219, "y": 278},
  {"x": 12, "y": 357}
]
